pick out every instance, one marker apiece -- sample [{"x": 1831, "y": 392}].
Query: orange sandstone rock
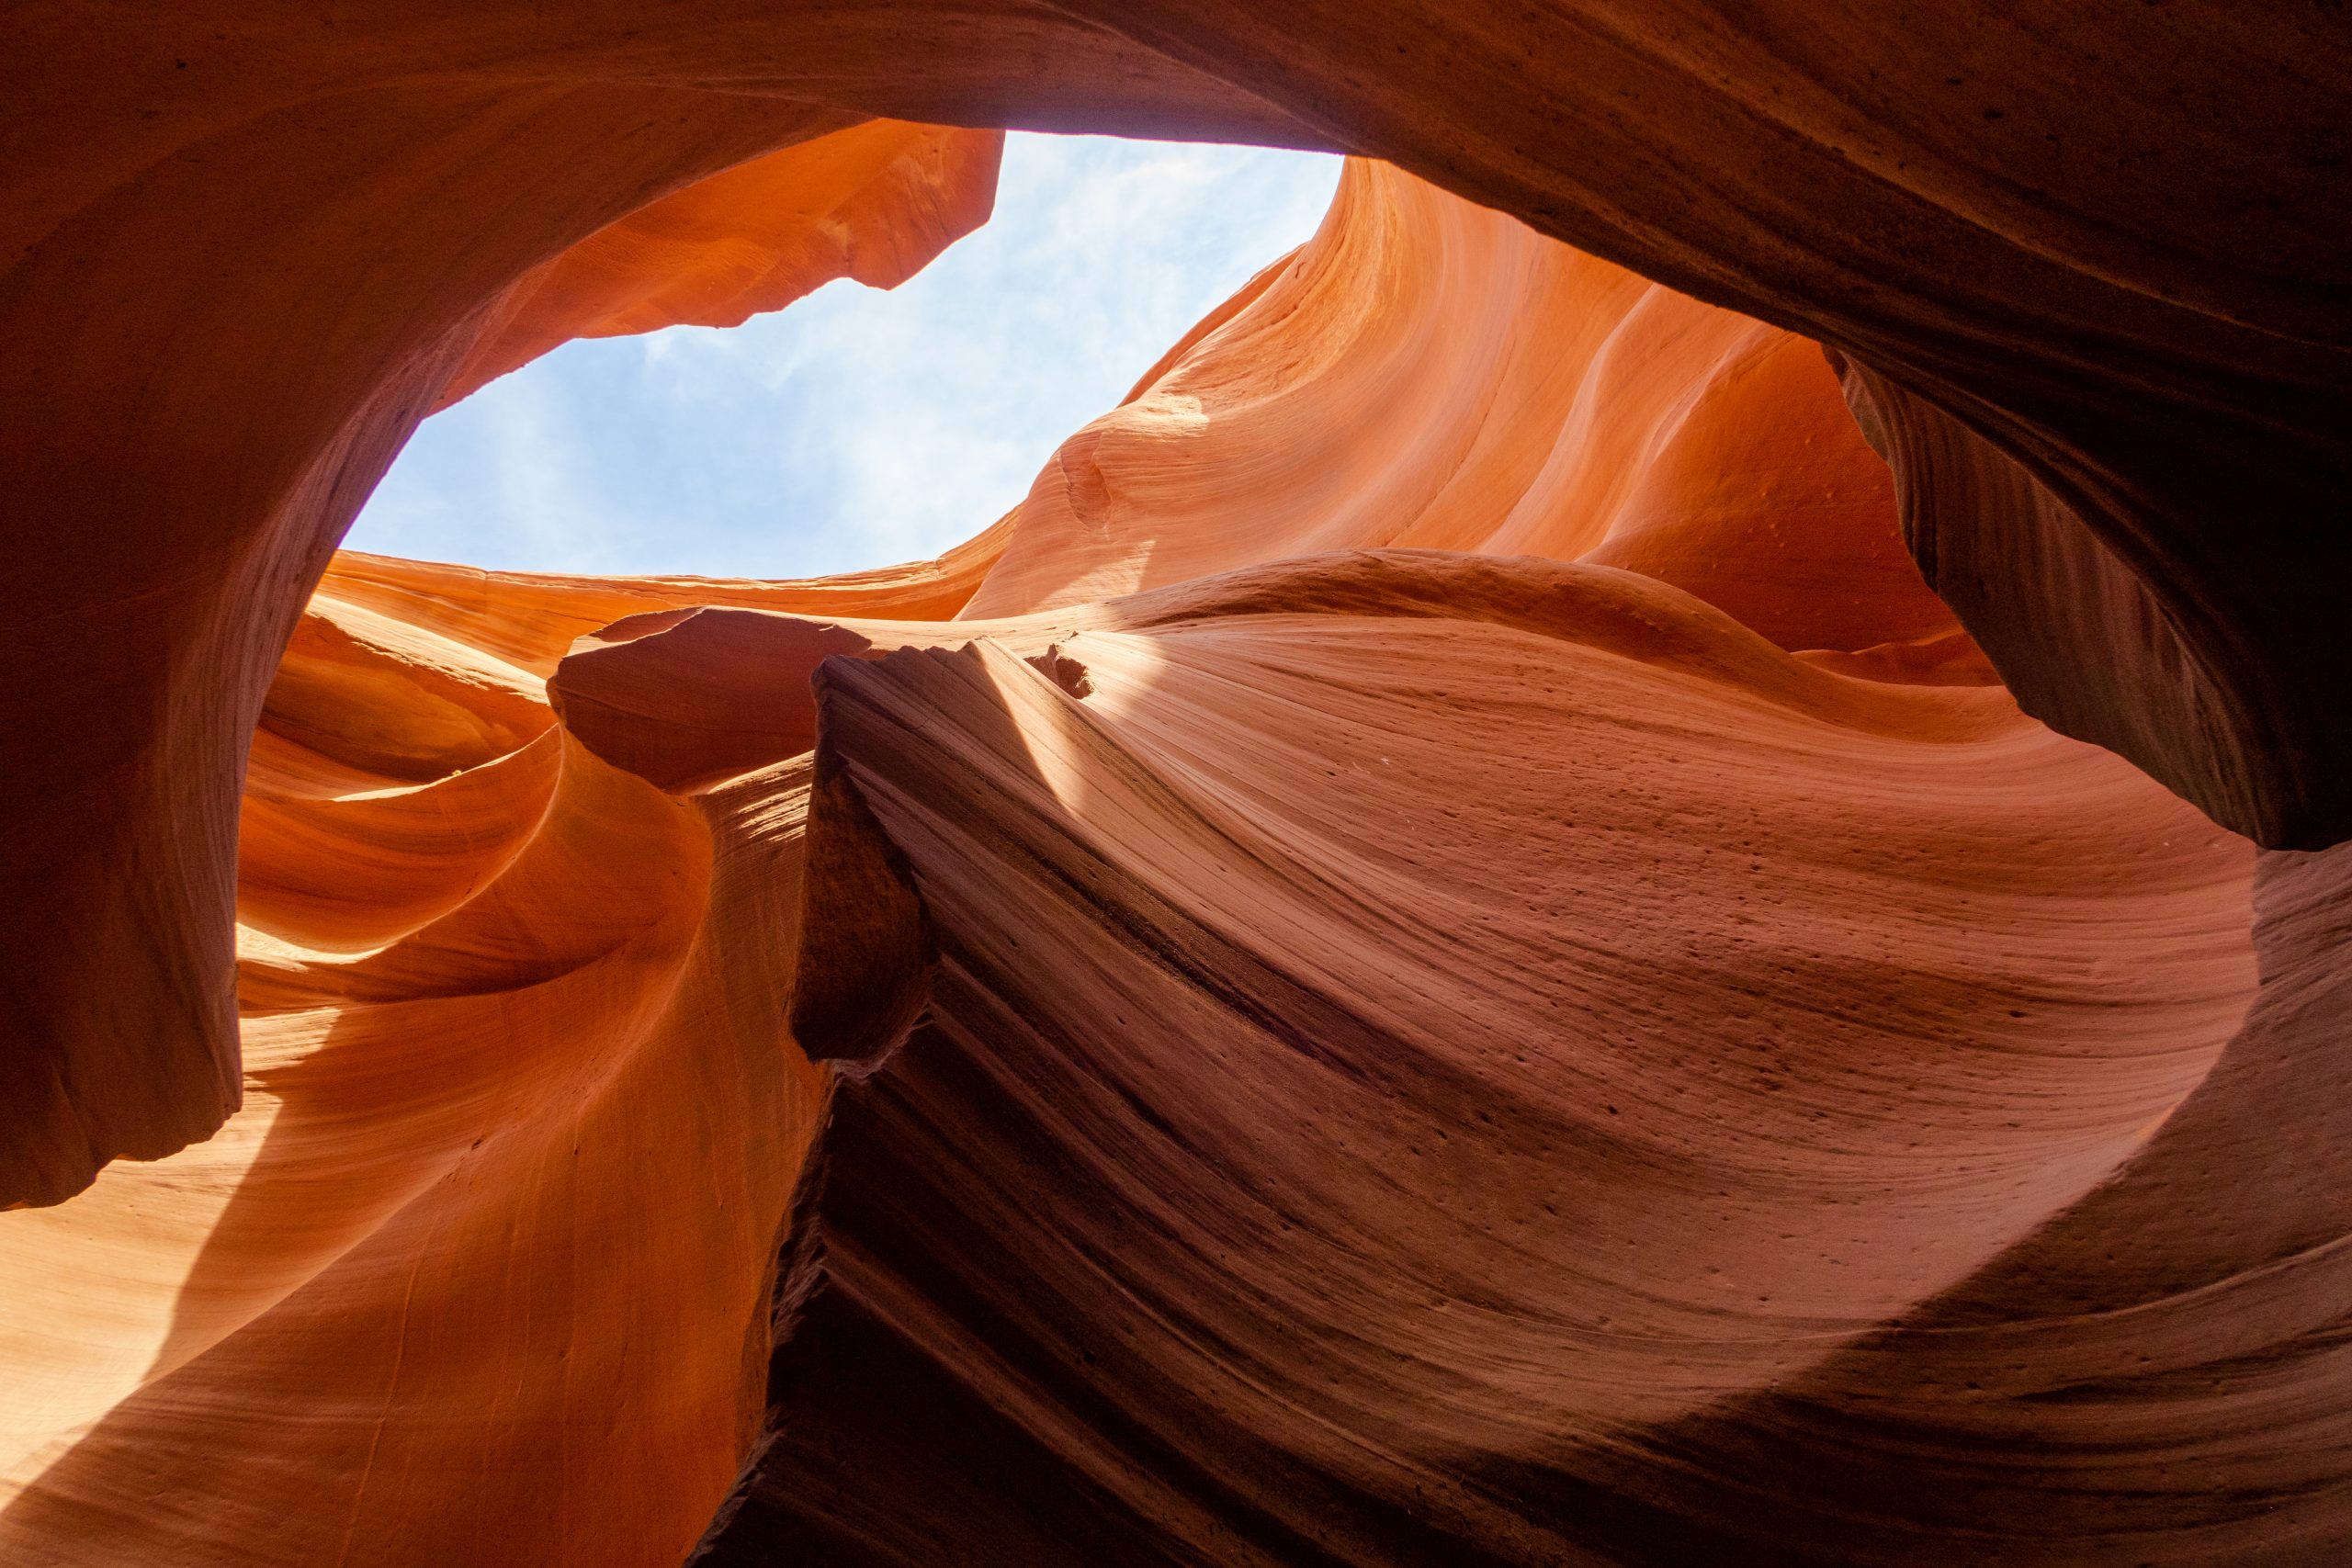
[
  {"x": 124, "y": 1041},
  {"x": 1435, "y": 954},
  {"x": 1385, "y": 1080},
  {"x": 245, "y": 250},
  {"x": 1426, "y": 373},
  {"x": 1246, "y": 1044},
  {"x": 875, "y": 202}
]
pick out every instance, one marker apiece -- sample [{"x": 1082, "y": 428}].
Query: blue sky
[{"x": 856, "y": 427}]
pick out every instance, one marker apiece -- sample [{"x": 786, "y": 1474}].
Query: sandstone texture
[{"x": 1642, "y": 866}]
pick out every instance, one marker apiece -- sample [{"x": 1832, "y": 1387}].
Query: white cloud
[{"x": 856, "y": 427}]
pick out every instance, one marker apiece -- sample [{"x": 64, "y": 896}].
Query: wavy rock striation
[
  {"x": 1426, "y": 373},
  {"x": 1275, "y": 1181},
  {"x": 1435, "y": 952},
  {"x": 123, "y": 1034},
  {"x": 247, "y": 247}
]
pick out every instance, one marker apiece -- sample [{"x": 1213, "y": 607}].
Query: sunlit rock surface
[
  {"x": 1442, "y": 950},
  {"x": 873, "y": 202}
]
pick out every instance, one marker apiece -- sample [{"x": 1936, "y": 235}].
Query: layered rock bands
[{"x": 1528, "y": 913}]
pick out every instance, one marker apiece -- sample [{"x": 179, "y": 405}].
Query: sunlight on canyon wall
[{"x": 1495, "y": 926}]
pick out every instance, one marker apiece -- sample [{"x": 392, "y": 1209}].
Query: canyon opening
[{"x": 876, "y": 419}]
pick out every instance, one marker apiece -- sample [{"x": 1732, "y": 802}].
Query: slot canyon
[{"x": 1645, "y": 865}]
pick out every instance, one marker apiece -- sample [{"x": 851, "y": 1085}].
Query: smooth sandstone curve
[
  {"x": 123, "y": 1033},
  {"x": 2107, "y": 241},
  {"x": 1541, "y": 1048}
]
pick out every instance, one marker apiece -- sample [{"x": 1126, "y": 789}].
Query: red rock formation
[
  {"x": 521, "y": 1116},
  {"x": 1580, "y": 1026},
  {"x": 125, "y": 1044},
  {"x": 875, "y": 202},
  {"x": 2080, "y": 233},
  {"x": 1492, "y": 390},
  {"x": 1277, "y": 1181}
]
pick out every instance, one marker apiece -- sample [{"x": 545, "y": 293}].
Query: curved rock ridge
[
  {"x": 1324, "y": 1143},
  {"x": 522, "y": 1112},
  {"x": 526, "y": 1099},
  {"x": 246, "y": 248},
  {"x": 1435, "y": 952},
  {"x": 875, "y": 202},
  {"x": 91, "y": 1076},
  {"x": 1427, "y": 373}
]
